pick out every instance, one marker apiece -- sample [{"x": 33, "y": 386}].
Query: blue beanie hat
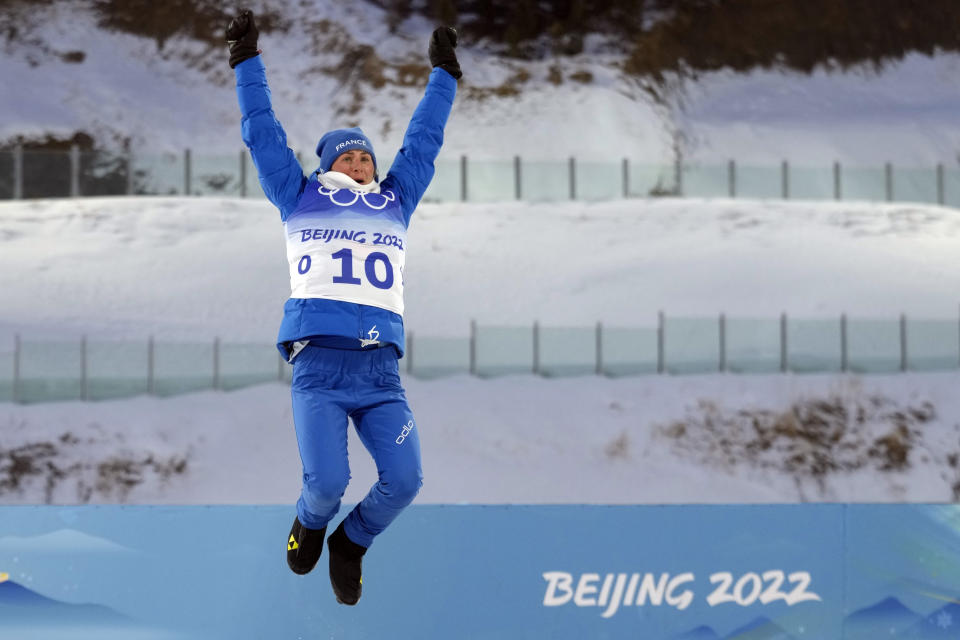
[{"x": 339, "y": 141}]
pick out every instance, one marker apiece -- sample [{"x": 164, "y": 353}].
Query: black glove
[
  {"x": 241, "y": 36},
  {"x": 442, "y": 43}
]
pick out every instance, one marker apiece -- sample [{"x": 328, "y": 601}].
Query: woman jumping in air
[{"x": 342, "y": 326}]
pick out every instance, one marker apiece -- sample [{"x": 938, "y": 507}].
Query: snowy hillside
[
  {"x": 518, "y": 439},
  {"x": 182, "y": 96},
  {"x": 193, "y": 268},
  {"x": 196, "y": 268}
]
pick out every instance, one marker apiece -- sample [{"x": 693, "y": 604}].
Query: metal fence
[
  {"x": 45, "y": 174},
  {"x": 43, "y": 371}
]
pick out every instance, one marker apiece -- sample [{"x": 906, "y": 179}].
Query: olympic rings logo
[{"x": 374, "y": 201}]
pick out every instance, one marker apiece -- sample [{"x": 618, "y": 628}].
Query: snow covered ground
[
  {"x": 182, "y": 268},
  {"x": 194, "y": 268},
  {"x": 517, "y": 439},
  {"x": 904, "y": 114},
  {"x": 184, "y": 95}
]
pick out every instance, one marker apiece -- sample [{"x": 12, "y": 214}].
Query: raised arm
[
  {"x": 413, "y": 168},
  {"x": 280, "y": 174}
]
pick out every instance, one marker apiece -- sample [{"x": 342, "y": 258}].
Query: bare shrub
[
  {"x": 55, "y": 466},
  {"x": 811, "y": 439}
]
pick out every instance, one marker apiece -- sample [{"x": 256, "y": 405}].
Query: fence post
[
  {"x": 83, "y": 367},
  {"x": 186, "y": 172},
  {"x": 517, "y": 183},
  {"x": 216, "y": 363},
  {"x": 128, "y": 159},
  {"x": 243, "y": 173},
  {"x": 678, "y": 176},
  {"x": 843, "y": 342},
  {"x": 784, "y": 363},
  {"x": 722, "y": 364},
  {"x": 626, "y": 178},
  {"x": 599, "y": 348},
  {"x": 536, "y": 347},
  {"x": 473, "y": 347},
  {"x": 888, "y": 179},
  {"x": 941, "y": 194},
  {"x": 572, "y": 178},
  {"x": 74, "y": 171},
  {"x": 150, "y": 367},
  {"x": 837, "y": 190},
  {"x": 785, "y": 179},
  {"x": 16, "y": 368},
  {"x": 463, "y": 178},
  {"x": 732, "y": 178},
  {"x": 661, "y": 364},
  {"x": 904, "y": 364},
  {"x": 18, "y": 172}
]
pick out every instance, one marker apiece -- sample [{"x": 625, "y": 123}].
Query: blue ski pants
[{"x": 329, "y": 385}]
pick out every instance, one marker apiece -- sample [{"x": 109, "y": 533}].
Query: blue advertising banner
[{"x": 750, "y": 572}]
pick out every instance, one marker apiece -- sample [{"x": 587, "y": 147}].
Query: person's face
[{"x": 357, "y": 164}]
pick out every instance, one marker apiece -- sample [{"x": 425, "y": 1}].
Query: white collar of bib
[{"x": 337, "y": 180}]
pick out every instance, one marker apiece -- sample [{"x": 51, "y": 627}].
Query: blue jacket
[{"x": 325, "y": 321}]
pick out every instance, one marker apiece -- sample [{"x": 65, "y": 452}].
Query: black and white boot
[
  {"x": 304, "y": 547},
  {"x": 346, "y": 560}
]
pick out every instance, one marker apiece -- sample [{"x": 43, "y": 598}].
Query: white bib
[{"x": 347, "y": 244}]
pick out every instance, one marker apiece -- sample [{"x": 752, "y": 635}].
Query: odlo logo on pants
[{"x": 407, "y": 428}]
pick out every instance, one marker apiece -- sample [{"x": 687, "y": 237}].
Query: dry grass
[
  {"x": 24, "y": 467},
  {"x": 511, "y": 87},
  {"x": 555, "y": 75},
  {"x": 619, "y": 447},
  {"x": 583, "y": 77},
  {"x": 812, "y": 439}
]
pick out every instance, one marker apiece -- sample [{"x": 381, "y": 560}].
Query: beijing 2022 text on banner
[{"x": 783, "y": 572}]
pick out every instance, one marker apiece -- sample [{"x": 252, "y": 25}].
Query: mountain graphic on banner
[
  {"x": 887, "y": 618},
  {"x": 760, "y": 629},
  {"x": 20, "y": 606},
  {"x": 702, "y": 632},
  {"x": 757, "y": 629}
]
